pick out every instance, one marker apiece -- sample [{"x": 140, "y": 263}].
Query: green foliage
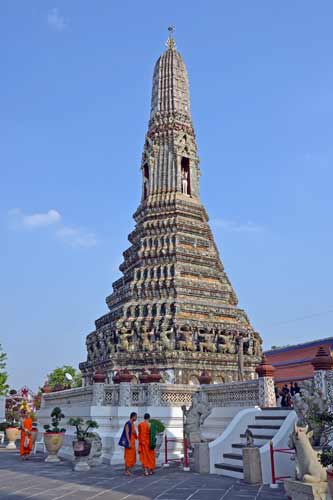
[
  {"x": 56, "y": 416},
  {"x": 274, "y": 347},
  {"x": 325, "y": 421},
  {"x": 3, "y": 426},
  {"x": 12, "y": 417},
  {"x": 158, "y": 425},
  {"x": 326, "y": 456},
  {"x": 3, "y": 374},
  {"x": 57, "y": 378},
  {"x": 82, "y": 427}
]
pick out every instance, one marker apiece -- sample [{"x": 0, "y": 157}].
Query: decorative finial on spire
[{"x": 171, "y": 41}]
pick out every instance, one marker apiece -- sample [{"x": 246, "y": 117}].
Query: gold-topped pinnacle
[{"x": 170, "y": 43}]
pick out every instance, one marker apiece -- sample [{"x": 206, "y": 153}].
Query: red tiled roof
[{"x": 293, "y": 363}]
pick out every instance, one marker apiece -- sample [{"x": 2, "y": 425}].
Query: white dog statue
[{"x": 308, "y": 467}]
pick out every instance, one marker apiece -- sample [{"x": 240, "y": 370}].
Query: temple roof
[{"x": 170, "y": 83}]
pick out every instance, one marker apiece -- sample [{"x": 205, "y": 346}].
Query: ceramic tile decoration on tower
[
  {"x": 174, "y": 340},
  {"x": 174, "y": 309}
]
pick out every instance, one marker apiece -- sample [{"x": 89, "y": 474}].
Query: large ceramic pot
[
  {"x": 12, "y": 434},
  {"x": 53, "y": 442},
  {"x": 122, "y": 376},
  {"x": 81, "y": 448},
  {"x": 330, "y": 481},
  {"x": 81, "y": 452}
]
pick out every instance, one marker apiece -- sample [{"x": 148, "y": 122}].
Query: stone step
[
  {"x": 258, "y": 436},
  {"x": 233, "y": 456},
  {"x": 243, "y": 445},
  {"x": 271, "y": 417},
  {"x": 264, "y": 426},
  {"x": 275, "y": 408},
  {"x": 234, "y": 468}
]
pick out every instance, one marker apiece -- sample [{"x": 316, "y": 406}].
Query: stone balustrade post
[
  {"x": 98, "y": 388},
  {"x": 265, "y": 373},
  {"x": 329, "y": 389},
  {"x": 125, "y": 397},
  {"x": 323, "y": 374},
  {"x": 154, "y": 394},
  {"x": 98, "y": 394}
]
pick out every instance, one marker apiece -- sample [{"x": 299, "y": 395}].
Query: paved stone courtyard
[{"x": 38, "y": 480}]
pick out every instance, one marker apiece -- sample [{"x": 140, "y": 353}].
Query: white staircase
[{"x": 266, "y": 424}]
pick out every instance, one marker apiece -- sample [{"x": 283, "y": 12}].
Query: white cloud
[
  {"x": 77, "y": 237},
  {"x": 71, "y": 235},
  {"x": 34, "y": 220},
  {"x": 55, "y": 20},
  {"x": 236, "y": 227}
]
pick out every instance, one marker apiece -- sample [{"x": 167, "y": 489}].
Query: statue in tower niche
[
  {"x": 124, "y": 334},
  {"x": 206, "y": 341},
  {"x": 184, "y": 179},
  {"x": 145, "y": 337},
  {"x": 185, "y": 341},
  {"x": 165, "y": 343},
  {"x": 173, "y": 307}
]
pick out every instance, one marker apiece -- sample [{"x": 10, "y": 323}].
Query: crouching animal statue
[{"x": 308, "y": 468}]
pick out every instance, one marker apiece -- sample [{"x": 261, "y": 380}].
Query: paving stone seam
[{"x": 226, "y": 492}]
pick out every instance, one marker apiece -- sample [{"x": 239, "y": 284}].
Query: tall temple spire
[
  {"x": 170, "y": 163},
  {"x": 170, "y": 43},
  {"x": 174, "y": 307}
]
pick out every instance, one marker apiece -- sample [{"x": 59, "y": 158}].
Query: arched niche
[
  {"x": 185, "y": 176},
  {"x": 145, "y": 170}
]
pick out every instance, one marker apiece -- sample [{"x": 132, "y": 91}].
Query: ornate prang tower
[{"x": 174, "y": 308}]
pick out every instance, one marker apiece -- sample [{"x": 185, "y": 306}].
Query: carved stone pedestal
[
  {"x": 252, "y": 465},
  {"x": 81, "y": 464},
  {"x": 297, "y": 490},
  {"x": 201, "y": 458}
]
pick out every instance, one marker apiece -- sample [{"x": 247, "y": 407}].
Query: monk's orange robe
[
  {"x": 130, "y": 453},
  {"x": 26, "y": 424},
  {"x": 147, "y": 456}
]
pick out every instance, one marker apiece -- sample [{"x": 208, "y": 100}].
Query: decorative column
[
  {"x": 154, "y": 394},
  {"x": 265, "y": 373},
  {"x": 98, "y": 388},
  {"x": 125, "y": 397},
  {"x": 323, "y": 373}
]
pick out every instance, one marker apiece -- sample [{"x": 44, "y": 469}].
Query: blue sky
[{"x": 74, "y": 97}]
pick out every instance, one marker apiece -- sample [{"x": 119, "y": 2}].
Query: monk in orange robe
[
  {"x": 26, "y": 436},
  {"x": 129, "y": 451},
  {"x": 147, "y": 455}
]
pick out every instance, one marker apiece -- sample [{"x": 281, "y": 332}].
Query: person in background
[
  {"x": 297, "y": 388},
  {"x": 147, "y": 455},
  {"x": 26, "y": 436},
  {"x": 284, "y": 393},
  {"x": 127, "y": 440},
  {"x": 292, "y": 389}
]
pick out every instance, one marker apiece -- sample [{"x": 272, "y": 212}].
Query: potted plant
[
  {"x": 82, "y": 444},
  {"x": 157, "y": 429},
  {"x": 12, "y": 428},
  {"x": 54, "y": 435}
]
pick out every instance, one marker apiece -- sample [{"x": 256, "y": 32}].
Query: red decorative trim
[
  {"x": 205, "y": 378},
  {"x": 122, "y": 376},
  {"x": 323, "y": 359},
  {"x": 265, "y": 369},
  {"x": 99, "y": 377},
  {"x": 54, "y": 433}
]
